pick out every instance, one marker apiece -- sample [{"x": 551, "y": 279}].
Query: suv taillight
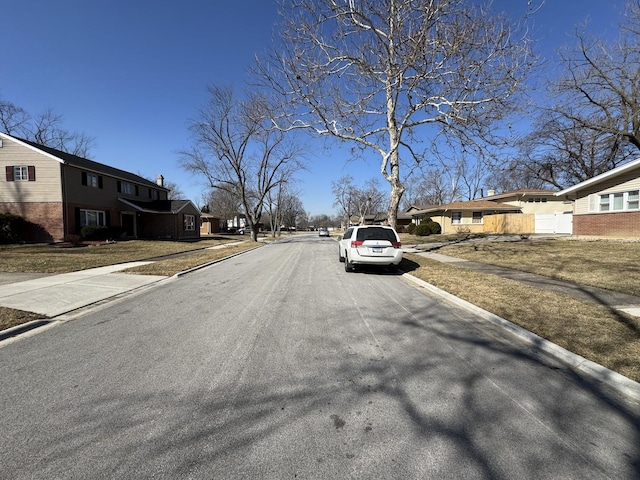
[
  {"x": 396, "y": 244},
  {"x": 356, "y": 243}
]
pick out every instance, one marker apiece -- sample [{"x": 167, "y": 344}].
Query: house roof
[
  {"x": 84, "y": 163},
  {"x": 518, "y": 193},
  {"x": 474, "y": 205},
  {"x": 602, "y": 177},
  {"x": 157, "y": 206}
]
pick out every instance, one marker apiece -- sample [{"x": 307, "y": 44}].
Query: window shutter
[
  {"x": 77, "y": 216},
  {"x": 31, "y": 170},
  {"x": 119, "y": 183},
  {"x": 84, "y": 178},
  {"x": 593, "y": 202},
  {"x": 100, "y": 181},
  {"x": 137, "y": 191},
  {"x": 9, "y": 172},
  {"x": 107, "y": 218}
]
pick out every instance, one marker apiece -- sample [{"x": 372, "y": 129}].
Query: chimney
[
  {"x": 491, "y": 192},
  {"x": 160, "y": 180}
]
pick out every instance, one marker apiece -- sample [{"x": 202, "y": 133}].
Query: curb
[
  {"x": 23, "y": 328},
  {"x": 594, "y": 371},
  {"x": 213, "y": 262}
]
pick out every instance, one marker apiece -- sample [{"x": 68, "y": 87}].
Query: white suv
[{"x": 370, "y": 245}]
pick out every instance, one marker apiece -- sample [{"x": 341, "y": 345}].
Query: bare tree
[
  {"x": 284, "y": 207},
  {"x": 175, "y": 192},
  {"x": 292, "y": 212},
  {"x": 353, "y": 200},
  {"x": 342, "y": 190},
  {"x": 593, "y": 124},
  {"x": 223, "y": 203},
  {"x": 44, "y": 129},
  {"x": 237, "y": 150},
  {"x": 434, "y": 186},
  {"x": 13, "y": 119},
  {"x": 375, "y": 73}
]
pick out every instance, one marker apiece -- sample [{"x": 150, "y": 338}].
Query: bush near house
[
  {"x": 428, "y": 227},
  {"x": 12, "y": 228},
  {"x": 100, "y": 233},
  {"x": 411, "y": 228}
]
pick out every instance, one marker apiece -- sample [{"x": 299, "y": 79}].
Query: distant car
[
  {"x": 370, "y": 245},
  {"x": 323, "y": 232}
]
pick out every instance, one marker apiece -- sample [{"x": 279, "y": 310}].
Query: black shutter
[
  {"x": 77, "y": 214},
  {"x": 84, "y": 178},
  {"x": 107, "y": 218},
  {"x": 119, "y": 183},
  {"x": 31, "y": 171},
  {"x": 9, "y": 172},
  {"x": 137, "y": 191},
  {"x": 100, "y": 181}
]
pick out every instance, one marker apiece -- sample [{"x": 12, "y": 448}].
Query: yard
[{"x": 603, "y": 335}]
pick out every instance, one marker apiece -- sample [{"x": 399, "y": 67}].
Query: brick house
[
  {"x": 607, "y": 204},
  {"x": 59, "y": 193}
]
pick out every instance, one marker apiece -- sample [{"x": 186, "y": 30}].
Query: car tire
[
  {"x": 348, "y": 266},
  {"x": 340, "y": 257}
]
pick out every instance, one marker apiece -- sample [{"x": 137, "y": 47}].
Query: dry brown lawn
[
  {"x": 51, "y": 259},
  {"x": 600, "y": 334},
  {"x": 606, "y": 264}
]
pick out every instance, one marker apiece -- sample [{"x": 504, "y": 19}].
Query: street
[{"x": 279, "y": 364}]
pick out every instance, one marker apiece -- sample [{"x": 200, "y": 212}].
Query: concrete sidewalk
[{"x": 54, "y": 295}]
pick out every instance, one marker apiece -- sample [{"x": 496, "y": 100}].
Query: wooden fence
[{"x": 510, "y": 223}]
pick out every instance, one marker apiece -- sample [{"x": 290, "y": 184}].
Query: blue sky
[{"x": 131, "y": 73}]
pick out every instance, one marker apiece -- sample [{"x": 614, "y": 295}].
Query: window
[
  {"x": 20, "y": 173},
  {"x": 477, "y": 217},
  {"x": 456, "y": 217},
  {"x": 153, "y": 194},
  {"x": 617, "y": 202},
  {"x": 91, "y": 180},
  {"x": 94, "y": 218},
  {"x": 189, "y": 222},
  {"x": 127, "y": 188}
]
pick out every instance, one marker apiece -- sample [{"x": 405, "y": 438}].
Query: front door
[{"x": 129, "y": 224}]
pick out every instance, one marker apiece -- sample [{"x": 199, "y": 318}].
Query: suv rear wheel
[{"x": 348, "y": 266}]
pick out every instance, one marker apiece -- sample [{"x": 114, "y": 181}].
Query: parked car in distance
[
  {"x": 370, "y": 245},
  {"x": 323, "y": 232}
]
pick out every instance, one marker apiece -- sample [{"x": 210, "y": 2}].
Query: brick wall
[
  {"x": 619, "y": 224},
  {"x": 45, "y": 218}
]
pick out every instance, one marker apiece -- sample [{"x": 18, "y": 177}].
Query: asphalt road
[{"x": 279, "y": 364}]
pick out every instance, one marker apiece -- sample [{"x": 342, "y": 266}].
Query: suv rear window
[{"x": 376, "y": 233}]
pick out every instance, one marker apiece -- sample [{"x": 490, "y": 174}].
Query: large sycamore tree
[{"x": 375, "y": 72}]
